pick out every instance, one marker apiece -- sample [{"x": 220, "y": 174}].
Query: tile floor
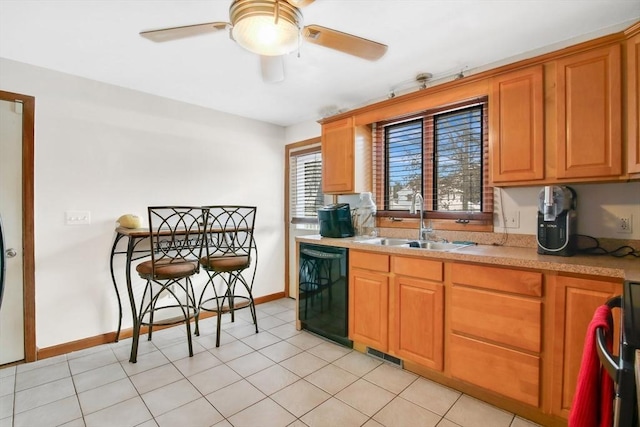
[{"x": 279, "y": 377}]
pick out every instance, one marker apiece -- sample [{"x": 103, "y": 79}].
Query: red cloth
[{"x": 593, "y": 401}]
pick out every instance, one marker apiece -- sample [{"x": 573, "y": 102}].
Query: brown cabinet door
[
  {"x": 416, "y": 321},
  {"x": 516, "y": 126},
  {"x": 633, "y": 102},
  {"x": 368, "y": 308},
  {"x": 338, "y": 157},
  {"x": 575, "y": 301},
  {"x": 589, "y": 140}
]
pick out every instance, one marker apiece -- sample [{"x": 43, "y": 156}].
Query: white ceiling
[{"x": 98, "y": 39}]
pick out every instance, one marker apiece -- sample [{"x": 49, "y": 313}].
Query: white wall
[{"x": 112, "y": 151}]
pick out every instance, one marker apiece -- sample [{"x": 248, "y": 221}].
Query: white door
[{"x": 12, "y": 310}]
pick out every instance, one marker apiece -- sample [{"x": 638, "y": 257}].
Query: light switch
[{"x": 77, "y": 217}]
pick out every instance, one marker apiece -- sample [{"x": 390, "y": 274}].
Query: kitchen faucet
[{"x": 424, "y": 233}]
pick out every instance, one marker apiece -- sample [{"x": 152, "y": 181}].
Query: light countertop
[{"x": 627, "y": 268}]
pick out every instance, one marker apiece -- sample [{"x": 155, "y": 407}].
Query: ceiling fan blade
[
  {"x": 300, "y": 3},
  {"x": 272, "y": 68},
  {"x": 347, "y": 43},
  {"x": 174, "y": 33}
]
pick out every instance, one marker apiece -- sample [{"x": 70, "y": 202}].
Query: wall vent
[{"x": 384, "y": 357}]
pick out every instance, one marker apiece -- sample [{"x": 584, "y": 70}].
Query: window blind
[
  {"x": 305, "y": 185},
  {"x": 403, "y": 151}
]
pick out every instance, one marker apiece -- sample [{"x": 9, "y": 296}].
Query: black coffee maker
[{"x": 557, "y": 221}]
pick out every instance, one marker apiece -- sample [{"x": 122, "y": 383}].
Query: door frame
[{"x": 28, "y": 249}]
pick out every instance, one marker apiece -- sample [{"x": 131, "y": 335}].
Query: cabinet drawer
[
  {"x": 416, "y": 267},
  {"x": 505, "y": 319},
  {"x": 369, "y": 261},
  {"x": 500, "y": 279},
  {"x": 508, "y": 372}
]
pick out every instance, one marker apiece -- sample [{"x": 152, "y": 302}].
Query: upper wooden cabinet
[
  {"x": 346, "y": 157},
  {"x": 516, "y": 126},
  {"x": 588, "y": 113},
  {"x": 633, "y": 101}
]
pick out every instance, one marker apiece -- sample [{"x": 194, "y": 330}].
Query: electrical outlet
[
  {"x": 624, "y": 223},
  {"x": 512, "y": 219}
]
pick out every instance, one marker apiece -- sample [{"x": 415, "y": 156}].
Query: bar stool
[
  {"x": 168, "y": 297},
  {"x": 229, "y": 257}
]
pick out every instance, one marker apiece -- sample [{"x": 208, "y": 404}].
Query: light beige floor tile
[
  {"x": 198, "y": 413},
  {"x": 329, "y": 351},
  {"x": 51, "y": 414},
  {"x": 6, "y": 406},
  {"x": 10, "y": 371},
  {"x": 229, "y": 351},
  {"x": 265, "y": 413},
  {"x": 198, "y": 363},
  {"x": 272, "y": 379},
  {"x": 156, "y": 378},
  {"x": 109, "y": 394},
  {"x": 280, "y": 351},
  {"x": 287, "y": 316},
  {"x": 181, "y": 350},
  {"x": 144, "y": 362},
  {"x": 261, "y": 340},
  {"x": 40, "y": 363},
  {"x": 470, "y": 412},
  {"x": 521, "y": 422},
  {"x": 430, "y": 395},
  {"x": 92, "y": 361},
  {"x": 297, "y": 423},
  {"x": 98, "y": 377},
  {"x": 44, "y": 394},
  {"x": 269, "y": 322},
  {"x": 209, "y": 341},
  {"x": 332, "y": 413},
  {"x": 7, "y": 385},
  {"x": 242, "y": 331},
  {"x": 331, "y": 379},
  {"x": 285, "y": 331},
  {"x": 148, "y": 423},
  {"x": 43, "y": 375},
  {"x": 129, "y": 413},
  {"x": 305, "y": 340},
  {"x": 234, "y": 398},
  {"x": 170, "y": 397},
  {"x": 366, "y": 397},
  {"x": 446, "y": 423},
  {"x": 214, "y": 379},
  {"x": 357, "y": 363},
  {"x": 223, "y": 423},
  {"x": 78, "y": 422},
  {"x": 123, "y": 352},
  {"x": 300, "y": 397},
  {"x": 287, "y": 302},
  {"x": 250, "y": 364},
  {"x": 372, "y": 423},
  {"x": 304, "y": 364},
  {"x": 270, "y": 309},
  {"x": 402, "y": 413},
  {"x": 391, "y": 378}
]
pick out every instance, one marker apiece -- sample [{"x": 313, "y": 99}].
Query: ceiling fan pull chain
[{"x": 277, "y": 11}]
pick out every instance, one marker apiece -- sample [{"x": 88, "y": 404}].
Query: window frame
[
  {"x": 485, "y": 216},
  {"x": 310, "y": 150}
]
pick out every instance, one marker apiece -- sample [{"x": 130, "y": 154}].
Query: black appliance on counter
[
  {"x": 323, "y": 291},
  {"x": 557, "y": 221},
  {"x": 335, "y": 220},
  {"x": 621, "y": 367}
]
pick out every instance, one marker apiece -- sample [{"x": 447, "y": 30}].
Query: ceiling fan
[{"x": 271, "y": 29}]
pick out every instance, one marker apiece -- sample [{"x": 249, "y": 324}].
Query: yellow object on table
[{"x": 129, "y": 221}]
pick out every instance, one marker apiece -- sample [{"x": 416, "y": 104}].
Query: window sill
[{"x": 437, "y": 224}]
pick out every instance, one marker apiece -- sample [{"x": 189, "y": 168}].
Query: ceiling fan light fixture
[{"x": 266, "y": 27}]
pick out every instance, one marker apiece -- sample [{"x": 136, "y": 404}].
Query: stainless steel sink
[{"x": 421, "y": 244}]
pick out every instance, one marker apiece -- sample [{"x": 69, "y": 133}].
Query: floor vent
[{"x": 384, "y": 357}]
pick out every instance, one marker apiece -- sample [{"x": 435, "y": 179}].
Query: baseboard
[{"x": 68, "y": 347}]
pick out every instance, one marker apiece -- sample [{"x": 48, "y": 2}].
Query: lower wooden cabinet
[
  {"x": 573, "y": 301},
  {"x": 416, "y": 311},
  {"x": 495, "y": 339},
  {"x": 369, "y": 299}
]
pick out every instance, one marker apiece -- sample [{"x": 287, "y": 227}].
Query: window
[
  {"x": 305, "y": 180},
  {"x": 440, "y": 153}
]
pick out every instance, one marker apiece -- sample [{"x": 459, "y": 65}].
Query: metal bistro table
[{"x": 135, "y": 236}]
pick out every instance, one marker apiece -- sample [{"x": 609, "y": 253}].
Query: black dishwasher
[{"x": 323, "y": 291}]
